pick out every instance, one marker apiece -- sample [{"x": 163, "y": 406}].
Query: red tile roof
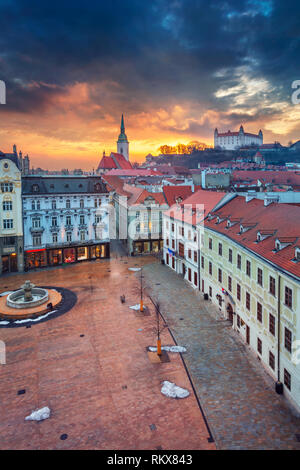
[
  {"x": 121, "y": 161},
  {"x": 114, "y": 183},
  {"x": 114, "y": 161},
  {"x": 133, "y": 172},
  {"x": 106, "y": 163},
  {"x": 194, "y": 208},
  {"x": 275, "y": 177},
  {"x": 158, "y": 197},
  {"x": 278, "y": 220},
  {"x": 172, "y": 193}
]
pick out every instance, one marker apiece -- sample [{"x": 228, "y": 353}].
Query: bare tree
[{"x": 160, "y": 326}]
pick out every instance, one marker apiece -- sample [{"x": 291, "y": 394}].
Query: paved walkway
[
  {"x": 91, "y": 367},
  {"x": 117, "y": 249},
  {"x": 238, "y": 397}
]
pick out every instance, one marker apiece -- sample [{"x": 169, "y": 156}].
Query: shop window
[{"x": 82, "y": 253}]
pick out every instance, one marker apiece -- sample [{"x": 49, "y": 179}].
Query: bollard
[{"x": 159, "y": 347}]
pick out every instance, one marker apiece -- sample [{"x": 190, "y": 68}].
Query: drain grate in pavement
[
  {"x": 124, "y": 387},
  {"x": 81, "y": 336},
  {"x": 63, "y": 437},
  {"x": 297, "y": 436},
  {"x": 157, "y": 284},
  {"x": 22, "y": 391},
  {"x": 152, "y": 427},
  {"x": 159, "y": 448},
  {"x": 28, "y": 326},
  {"x": 181, "y": 318}
]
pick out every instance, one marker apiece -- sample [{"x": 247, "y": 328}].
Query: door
[
  {"x": 230, "y": 313},
  {"x": 247, "y": 334}
]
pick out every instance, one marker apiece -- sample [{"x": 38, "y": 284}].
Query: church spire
[
  {"x": 122, "y": 125},
  {"x": 122, "y": 143}
]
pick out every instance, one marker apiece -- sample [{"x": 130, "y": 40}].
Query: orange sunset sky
[{"x": 175, "y": 72}]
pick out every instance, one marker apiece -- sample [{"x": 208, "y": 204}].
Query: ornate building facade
[
  {"x": 66, "y": 220},
  {"x": 11, "y": 229}
]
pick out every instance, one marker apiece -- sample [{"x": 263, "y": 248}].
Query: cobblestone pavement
[
  {"x": 91, "y": 367},
  {"x": 237, "y": 396}
]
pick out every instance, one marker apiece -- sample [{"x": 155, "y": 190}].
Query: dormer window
[
  {"x": 282, "y": 243},
  {"x": 297, "y": 254},
  {"x": 258, "y": 238}
]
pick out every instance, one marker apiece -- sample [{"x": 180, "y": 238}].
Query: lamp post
[
  {"x": 158, "y": 327},
  {"x": 141, "y": 302}
]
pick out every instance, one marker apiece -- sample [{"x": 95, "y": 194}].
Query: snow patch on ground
[
  {"x": 39, "y": 415},
  {"x": 6, "y": 293},
  {"x": 4, "y": 322},
  {"x": 136, "y": 307},
  {"x": 36, "y": 319},
  {"x": 172, "y": 349},
  {"x": 172, "y": 390},
  {"x": 134, "y": 269}
]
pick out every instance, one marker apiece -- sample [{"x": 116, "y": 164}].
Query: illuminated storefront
[
  {"x": 99, "y": 251},
  {"x": 69, "y": 255},
  {"x": 147, "y": 246},
  {"x": 55, "y": 257},
  {"x": 10, "y": 263},
  {"x": 35, "y": 259}
]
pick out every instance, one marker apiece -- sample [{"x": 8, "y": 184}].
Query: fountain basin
[
  {"x": 12, "y": 313},
  {"x": 17, "y": 299}
]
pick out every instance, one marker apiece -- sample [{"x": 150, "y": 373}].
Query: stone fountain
[{"x": 27, "y": 297}]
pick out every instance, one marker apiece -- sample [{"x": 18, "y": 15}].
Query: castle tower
[{"x": 122, "y": 143}]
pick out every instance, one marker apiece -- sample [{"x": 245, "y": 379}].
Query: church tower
[{"x": 122, "y": 143}]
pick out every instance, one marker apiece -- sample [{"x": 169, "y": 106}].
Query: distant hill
[{"x": 218, "y": 156}]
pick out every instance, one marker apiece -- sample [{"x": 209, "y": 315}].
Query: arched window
[
  {"x": 53, "y": 204},
  {"x": 81, "y": 203},
  {"x": 68, "y": 204}
]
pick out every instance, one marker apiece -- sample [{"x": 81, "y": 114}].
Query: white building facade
[
  {"x": 259, "y": 298},
  {"x": 11, "y": 227},
  {"x": 235, "y": 140},
  {"x": 181, "y": 249},
  {"x": 66, "y": 220}
]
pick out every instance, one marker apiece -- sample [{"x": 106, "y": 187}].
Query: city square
[{"x": 91, "y": 367}]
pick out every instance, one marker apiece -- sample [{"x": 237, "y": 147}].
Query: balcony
[{"x": 36, "y": 229}]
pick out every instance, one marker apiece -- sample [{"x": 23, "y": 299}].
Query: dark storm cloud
[{"x": 160, "y": 51}]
